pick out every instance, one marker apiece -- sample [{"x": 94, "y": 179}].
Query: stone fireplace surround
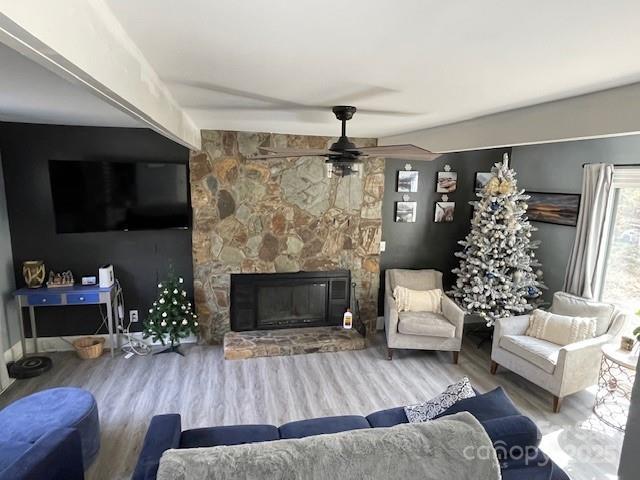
[{"x": 280, "y": 215}]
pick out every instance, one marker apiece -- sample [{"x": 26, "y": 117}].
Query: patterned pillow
[{"x": 423, "y": 412}]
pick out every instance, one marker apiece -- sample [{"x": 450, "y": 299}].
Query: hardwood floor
[{"x": 207, "y": 390}]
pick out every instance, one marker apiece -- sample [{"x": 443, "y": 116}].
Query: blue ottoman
[{"x": 30, "y": 418}]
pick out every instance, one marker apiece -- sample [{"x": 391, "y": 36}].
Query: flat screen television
[{"x": 98, "y": 196}]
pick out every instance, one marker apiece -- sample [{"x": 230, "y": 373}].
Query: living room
[{"x": 247, "y": 240}]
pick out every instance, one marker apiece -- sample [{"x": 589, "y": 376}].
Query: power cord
[{"x": 132, "y": 346}]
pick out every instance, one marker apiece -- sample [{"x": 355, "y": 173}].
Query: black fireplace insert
[{"x": 261, "y": 301}]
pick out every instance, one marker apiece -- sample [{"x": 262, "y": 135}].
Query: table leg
[
  {"x": 117, "y": 321},
  {"x": 34, "y": 334},
  {"x": 110, "y": 325},
  {"x": 23, "y": 340}
]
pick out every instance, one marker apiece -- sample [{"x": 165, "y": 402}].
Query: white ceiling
[
  {"x": 30, "y": 93},
  {"x": 257, "y": 65}
]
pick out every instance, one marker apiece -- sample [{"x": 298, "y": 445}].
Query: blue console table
[{"x": 62, "y": 297}]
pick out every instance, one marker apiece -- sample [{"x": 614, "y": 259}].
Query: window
[{"x": 622, "y": 275}]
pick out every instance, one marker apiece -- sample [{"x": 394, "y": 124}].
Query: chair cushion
[
  {"x": 539, "y": 352},
  {"x": 415, "y": 279},
  {"x": 31, "y": 417},
  {"x": 228, "y": 435},
  {"x": 387, "y": 418},
  {"x": 418, "y": 300},
  {"x": 425, "y": 323},
  {"x": 560, "y": 329},
  {"x": 10, "y": 452},
  {"x": 486, "y": 406},
  {"x": 570, "y": 305},
  {"x": 321, "y": 426}
]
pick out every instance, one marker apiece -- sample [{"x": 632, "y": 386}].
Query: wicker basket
[{"x": 89, "y": 347}]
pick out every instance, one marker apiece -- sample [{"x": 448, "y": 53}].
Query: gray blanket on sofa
[{"x": 452, "y": 448}]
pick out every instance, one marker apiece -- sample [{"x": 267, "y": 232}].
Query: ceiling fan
[{"x": 344, "y": 158}]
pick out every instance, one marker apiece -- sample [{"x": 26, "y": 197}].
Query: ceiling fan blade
[
  {"x": 408, "y": 152},
  {"x": 287, "y": 153}
]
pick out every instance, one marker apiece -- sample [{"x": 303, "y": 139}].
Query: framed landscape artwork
[
  {"x": 444, "y": 212},
  {"x": 447, "y": 182},
  {"x": 558, "y": 208},
  {"x": 407, "y": 181},
  {"x": 482, "y": 178},
  {"x": 406, "y": 212}
]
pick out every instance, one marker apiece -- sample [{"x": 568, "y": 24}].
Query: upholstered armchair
[
  {"x": 421, "y": 330},
  {"x": 561, "y": 370}
]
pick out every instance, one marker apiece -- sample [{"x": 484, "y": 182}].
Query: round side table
[{"x": 615, "y": 380}]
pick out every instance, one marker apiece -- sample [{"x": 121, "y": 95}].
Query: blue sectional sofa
[{"x": 515, "y": 436}]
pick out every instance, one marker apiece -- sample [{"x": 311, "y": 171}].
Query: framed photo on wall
[
  {"x": 444, "y": 212},
  {"x": 407, "y": 181},
  {"x": 447, "y": 182},
  {"x": 482, "y": 178},
  {"x": 406, "y": 212},
  {"x": 557, "y": 208}
]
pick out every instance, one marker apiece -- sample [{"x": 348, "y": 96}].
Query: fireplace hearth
[{"x": 265, "y": 301}]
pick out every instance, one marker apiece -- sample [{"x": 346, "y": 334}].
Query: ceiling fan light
[{"x": 328, "y": 168}]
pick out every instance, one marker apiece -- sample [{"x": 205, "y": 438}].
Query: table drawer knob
[
  {"x": 44, "y": 300},
  {"x": 82, "y": 299}
]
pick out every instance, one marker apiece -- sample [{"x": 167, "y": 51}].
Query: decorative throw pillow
[
  {"x": 408, "y": 300},
  {"x": 560, "y": 329},
  {"x": 423, "y": 412}
]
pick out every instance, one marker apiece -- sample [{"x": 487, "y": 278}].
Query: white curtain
[{"x": 585, "y": 270}]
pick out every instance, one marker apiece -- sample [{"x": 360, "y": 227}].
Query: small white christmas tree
[{"x": 499, "y": 274}]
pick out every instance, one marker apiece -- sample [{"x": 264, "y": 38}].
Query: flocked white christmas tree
[{"x": 499, "y": 274}]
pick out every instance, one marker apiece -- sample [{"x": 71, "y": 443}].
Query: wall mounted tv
[{"x": 98, "y": 196}]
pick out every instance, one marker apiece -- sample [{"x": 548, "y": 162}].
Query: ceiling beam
[
  {"x": 601, "y": 114},
  {"x": 82, "y": 41}
]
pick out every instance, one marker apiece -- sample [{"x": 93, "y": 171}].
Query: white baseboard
[
  {"x": 63, "y": 344},
  {"x": 3, "y": 386},
  {"x": 14, "y": 353}
]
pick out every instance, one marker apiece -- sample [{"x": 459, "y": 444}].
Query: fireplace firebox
[{"x": 263, "y": 301}]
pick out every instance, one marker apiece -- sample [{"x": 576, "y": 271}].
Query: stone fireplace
[{"x": 279, "y": 216}]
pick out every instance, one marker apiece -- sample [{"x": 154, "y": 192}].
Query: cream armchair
[
  {"x": 421, "y": 330},
  {"x": 561, "y": 370}
]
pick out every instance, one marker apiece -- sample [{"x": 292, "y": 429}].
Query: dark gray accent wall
[
  {"x": 557, "y": 168},
  {"x": 140, "y": 258},
  {"x": 426, "y": 244}
]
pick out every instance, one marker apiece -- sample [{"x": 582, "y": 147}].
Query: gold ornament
[
  {"x": 493, "y": 185},
  {"x": 505, "y": 187}
]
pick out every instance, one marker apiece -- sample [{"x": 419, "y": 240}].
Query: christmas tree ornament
[
  {"x": 172, "y": 319},
  {"x": 498, "y": 272}
]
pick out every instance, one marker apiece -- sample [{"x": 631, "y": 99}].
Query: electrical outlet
[
  {"x": 133, "y": 316},
  {"x": 383, "y": 246}
]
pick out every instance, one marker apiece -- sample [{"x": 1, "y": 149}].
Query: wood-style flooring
[{"x": 207, "y": 390}]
